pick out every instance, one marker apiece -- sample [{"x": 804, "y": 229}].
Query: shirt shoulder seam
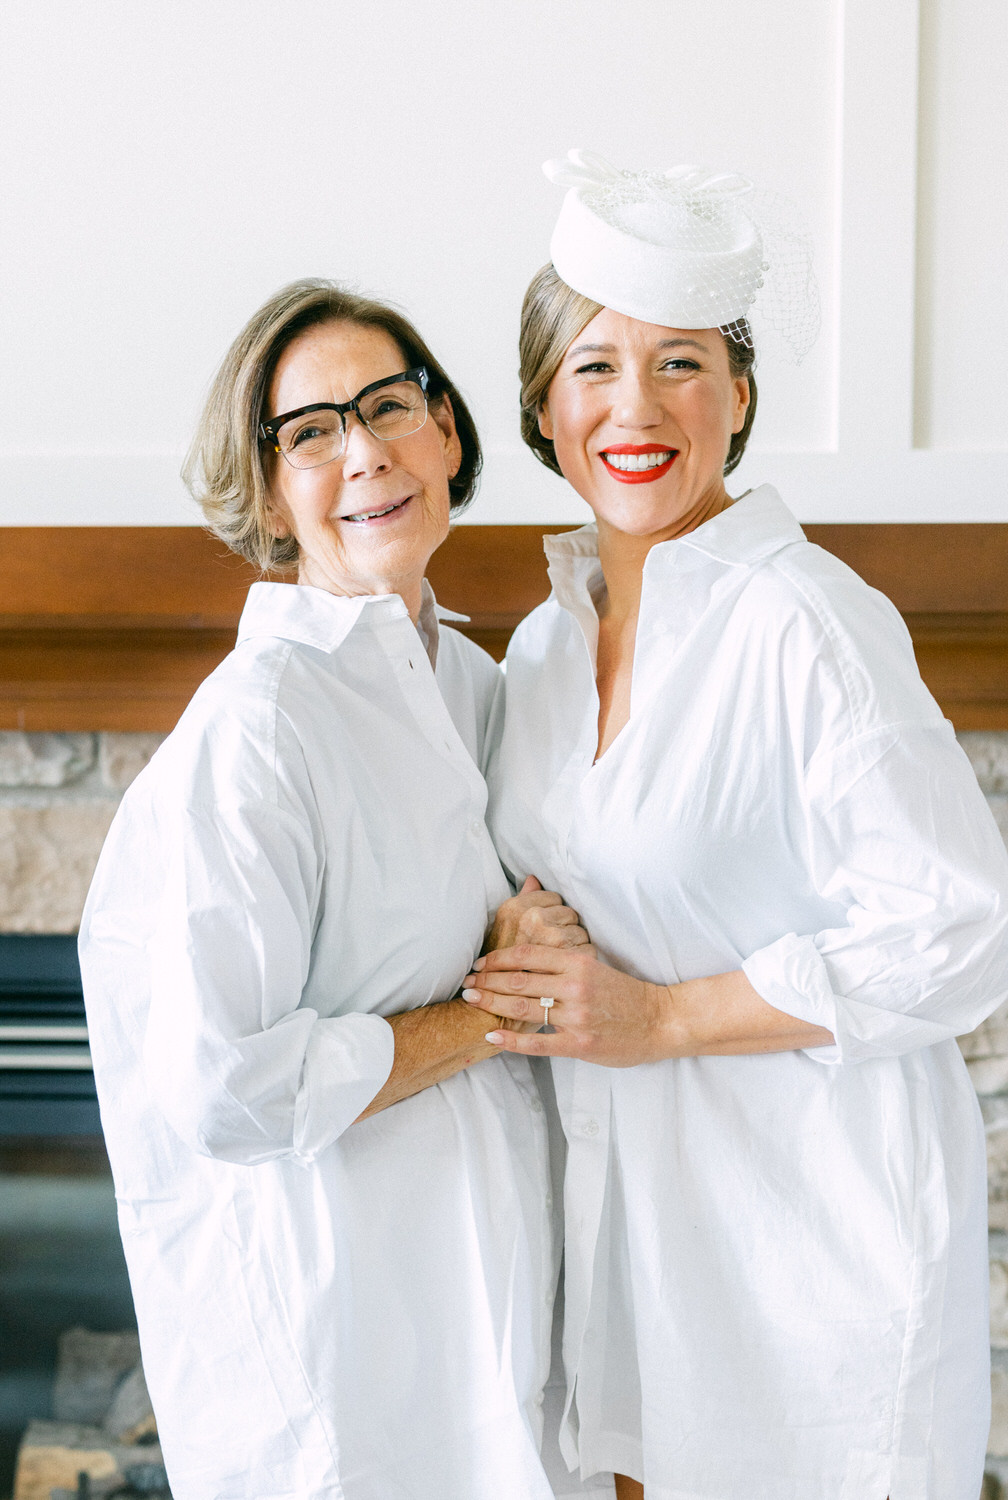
[{"x": 818, "y": 603}]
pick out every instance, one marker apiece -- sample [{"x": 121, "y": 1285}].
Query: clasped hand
[
  {"x": 599, "y": 1014},
  {"x": 538, "y": 917},
  {"x": 535, "y": 916}
]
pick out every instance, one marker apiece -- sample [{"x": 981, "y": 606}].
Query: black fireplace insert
[{"x": 46, "y": 1083}]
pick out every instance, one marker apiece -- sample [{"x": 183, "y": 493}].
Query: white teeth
[
  {"x": 369, "y": 515},
  {"x": 631, "y": 462}
]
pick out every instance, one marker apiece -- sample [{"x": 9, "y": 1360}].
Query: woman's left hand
[{"x": 598, "y": 1013}]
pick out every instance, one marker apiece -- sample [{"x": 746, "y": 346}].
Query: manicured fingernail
[
  {"x": 478, "y": 964},
  {"x": 494, "y": 1036},
  {"x": 470, "y": 995}
]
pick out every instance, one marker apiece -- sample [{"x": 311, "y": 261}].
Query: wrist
[
  {"x": 669, "y": 1029},
  {"x": 473, "y": 1024}
]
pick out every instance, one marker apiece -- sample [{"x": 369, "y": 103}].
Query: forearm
[
  {"x": 431, "y": 1043},
  {"x": 609, "y": 1017},
  {"x": 724, "y": 1016}
]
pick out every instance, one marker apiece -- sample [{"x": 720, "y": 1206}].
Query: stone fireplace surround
[
  {"x": 68, "y": 751},
  {"x": 58, "y": 794}
]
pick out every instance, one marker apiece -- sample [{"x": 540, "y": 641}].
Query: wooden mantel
[{"x": 114, "y": 627}]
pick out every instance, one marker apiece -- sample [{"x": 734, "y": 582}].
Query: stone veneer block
[
  {"x": 121, "y": 757},
  {"x": 990, "y": 1038},
  {"x": 999, "y": 1302},
  {"x": 989, "y": 1075},
  {"x": 997, "y": 1443},
  {"x": 998, "y": 805},
  {"x": 995, "y": 1114},
  {"x": 986, "y": 1053},
  {"x": 988, "y": 753},
  {"x": 47, "y": 859},
  {"x": 44, "y": 760}
]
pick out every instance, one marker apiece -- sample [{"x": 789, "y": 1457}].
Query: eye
[
  {"x": 315, "y": 427},
  {"x": 680, "y": 365},
  {"x": 387, "y": 406},
  {"x": 597, "y": 367}
]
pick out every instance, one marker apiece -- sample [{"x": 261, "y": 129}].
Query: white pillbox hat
[{"x": 683, "y": 248}]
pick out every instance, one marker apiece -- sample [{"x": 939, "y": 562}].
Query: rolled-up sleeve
[
  {"x": 240, "y": 1068},
  {"x": 901, "y": 841}
]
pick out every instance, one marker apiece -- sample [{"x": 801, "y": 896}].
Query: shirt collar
[
  {"x": 314, "y": 617},
  {"x": 753, "y": 528},
  {"x": 756, "y": 526},
  {"x": 427, "y": 622}
]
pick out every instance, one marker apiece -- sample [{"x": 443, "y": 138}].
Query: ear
[
  {"x": 444, "y": 416},
  {"x": 545, "y": 422},
  {"x": 742, "y": 399},
  {"x": 279, "y": 526}
]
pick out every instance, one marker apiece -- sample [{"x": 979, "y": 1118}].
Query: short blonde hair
[
  {"x": 224, "y": 469},
  {"x": 552, "y": 316}
]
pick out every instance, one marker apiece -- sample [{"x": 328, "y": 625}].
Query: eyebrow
[{"x": 610, "y": 348}]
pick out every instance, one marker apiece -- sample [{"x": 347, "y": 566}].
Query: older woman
[
  {"x": 335, "y": 1298},
  {"x": 718, "y": 747}
]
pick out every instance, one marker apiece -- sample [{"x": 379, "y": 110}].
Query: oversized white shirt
[
  {"x": 326, "y": 1309},
  {"x": 775, "y": 1265}
]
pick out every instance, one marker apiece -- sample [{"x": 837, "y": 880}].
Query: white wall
[{"x": 166, "y": 166}]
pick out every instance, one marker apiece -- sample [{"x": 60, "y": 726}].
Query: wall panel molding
[{"x": 115, "y": 627}]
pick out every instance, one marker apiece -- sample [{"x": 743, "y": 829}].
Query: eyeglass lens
[{"x": 317, "y": 437}]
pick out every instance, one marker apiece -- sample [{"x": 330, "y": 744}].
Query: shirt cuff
[
  {"x": 347, "y": 1061},
  {"x": 791, "y": 976}
]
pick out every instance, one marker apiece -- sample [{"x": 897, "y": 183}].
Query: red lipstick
[{"x": 639, "y": 476}]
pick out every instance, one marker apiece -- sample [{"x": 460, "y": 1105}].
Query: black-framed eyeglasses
[{"x": 314, "y": 435}]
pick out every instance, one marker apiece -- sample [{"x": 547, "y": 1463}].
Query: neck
[
  {"x": 350, "y": 588},
  {"x": 623, "y": 555}
]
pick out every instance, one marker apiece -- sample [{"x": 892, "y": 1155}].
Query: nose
[
  {"x": 636, "y": 402},
  {"x": 363, "y": 453}
]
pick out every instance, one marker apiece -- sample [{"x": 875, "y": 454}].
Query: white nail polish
[{"x": 470, "y": 994}]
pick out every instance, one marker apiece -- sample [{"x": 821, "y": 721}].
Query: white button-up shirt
[
  {"x": 775, "y": 1265},
  {"x": 326, "y": 1309}
]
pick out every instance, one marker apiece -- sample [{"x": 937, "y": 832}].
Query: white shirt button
[
  {"x": 590, "y": 1128},
  {"x": 476, "y": 828},
  {"x": 536, "y": 1106}
]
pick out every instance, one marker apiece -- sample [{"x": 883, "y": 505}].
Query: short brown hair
[
  {"x": 553, "y": 315},
  {"x": 224, "y": 468}
]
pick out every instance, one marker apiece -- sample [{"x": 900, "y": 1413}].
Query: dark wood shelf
[{"x": 114, "y": 627}]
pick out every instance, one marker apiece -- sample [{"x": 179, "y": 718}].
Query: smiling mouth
[
  {"x": 638, "y": 465},
  {"x": 376, "y": 515}
]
